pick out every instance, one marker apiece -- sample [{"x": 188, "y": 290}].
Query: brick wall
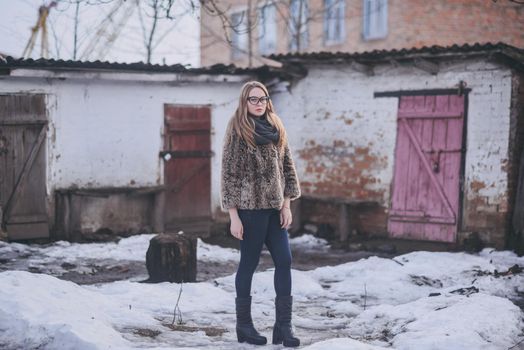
[{"x": 411, "y": 23}]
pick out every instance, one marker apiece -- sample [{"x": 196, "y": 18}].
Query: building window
[
  {"x": 334, "y": 19},
  {"x": 267, "y": 30},
  {"x": 375, "y": 19},
  {"x": 298, "y": 12},
  {"x": 239, "y": 36}
]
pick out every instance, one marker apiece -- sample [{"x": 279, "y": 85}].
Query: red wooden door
[
  {"x": 426, "y": 184},
  {"x": 187, "y": 166}
]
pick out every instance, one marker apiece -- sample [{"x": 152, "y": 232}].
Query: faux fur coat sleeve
[
  {"x": 292, "y": 187},
  {"x": 231, "y": 171},
  {"x": 256, "y": 178}
]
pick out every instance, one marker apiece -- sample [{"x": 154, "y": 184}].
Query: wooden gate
[
  {"x": 187, "y": 167},
  {"x": 23, "y": 126},
  {"x": 428, "y": 155}
]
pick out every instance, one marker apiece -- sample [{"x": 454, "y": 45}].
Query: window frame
[
  {"x": 339, "y": 18},
  {"x": 237, "y": 51},
  {"x": 265, "y": 48},
  {"x": 305, "y": 30},
  {"x": 380, "y": 28}
]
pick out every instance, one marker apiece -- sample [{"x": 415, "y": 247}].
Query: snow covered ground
[{"x": 419, "y": 300}]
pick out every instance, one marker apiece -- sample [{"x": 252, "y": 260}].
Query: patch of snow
[
  {"x": 209, "y": 252},
  {"x": 342, "y": 344},
  {"x": 373, "y": 303},
  {"x": 309, "y": 242},
  {"x": 478, "y": 321}
]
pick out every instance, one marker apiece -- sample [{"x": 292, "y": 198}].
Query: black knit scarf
[{"x": 264, "y": 132}]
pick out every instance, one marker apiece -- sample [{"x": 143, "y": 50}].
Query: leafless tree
[
  {"x": 293, "y": 14},
  {"x": 150, "y": 13}
]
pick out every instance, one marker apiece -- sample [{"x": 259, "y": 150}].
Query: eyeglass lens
[{"x": 255, "y": 100}]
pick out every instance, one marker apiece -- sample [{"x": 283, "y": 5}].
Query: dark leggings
[{"x": 263, "y": 226}]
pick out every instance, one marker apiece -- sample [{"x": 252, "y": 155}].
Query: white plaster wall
[
  {"x": 340, "y": 93},
  {"x": 109, "y": 133}
]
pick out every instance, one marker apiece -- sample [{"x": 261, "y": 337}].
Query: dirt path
[{"x": 90, "y": 271}]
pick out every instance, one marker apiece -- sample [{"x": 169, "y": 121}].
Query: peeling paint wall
[
  {"x": 105, "y": 133},
  {"x": 487, "y": 158},
  {"x": 343, "y": 138}
]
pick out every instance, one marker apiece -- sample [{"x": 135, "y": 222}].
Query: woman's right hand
[{"x": 237, "y": 230}]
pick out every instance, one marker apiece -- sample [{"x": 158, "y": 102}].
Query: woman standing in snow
[{"x": 258, "y": 182}]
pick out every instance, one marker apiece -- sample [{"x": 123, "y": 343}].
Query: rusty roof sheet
[
  {"x": 511, "y": 54},
  {"x": 8, "y": 62}
]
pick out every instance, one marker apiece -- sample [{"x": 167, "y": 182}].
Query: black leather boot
[
  {"x": 282, "y": 331},
  {"x": 246, "y": 332}
]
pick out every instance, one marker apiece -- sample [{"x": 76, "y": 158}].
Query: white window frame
[
  {"x": 374, "y": 19},
  {"x": 293, "y": 21},
  {"x": 334, "y": 22},
  {"x": 239, "y": 34},
  {"x": 267, "y": 29}
]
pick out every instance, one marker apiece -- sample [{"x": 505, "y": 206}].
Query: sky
[{"x": 178, "y": 40}]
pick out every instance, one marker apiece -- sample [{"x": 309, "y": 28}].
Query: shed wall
[
  {"x": 344, "y": 138},
  {"x": 105, "y": 133}
]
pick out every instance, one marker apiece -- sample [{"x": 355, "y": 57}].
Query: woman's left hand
[{"x": 285, "y": 217}]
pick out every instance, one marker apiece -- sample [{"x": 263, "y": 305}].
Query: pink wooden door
[{"x": 425, "y": 198}]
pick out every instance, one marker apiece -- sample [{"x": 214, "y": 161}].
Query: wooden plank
[
  {"x": 22, "y": 107},
  {"x": 453, "y": 161},
  {"x": 423, "y": 180},
  {"x": 28, "y": 230},
  {"x": 424, "y": 219},
  {"x": 428, "y": 169},
  {"x": 401, "y": 170},
  {"x": 439, "y": 143},
  {"x": 20, "y": 182},
  {"x": 6, "y": 163},
  {"x": 413, "y": 172},
  {"x": 434, "y": 115},
  {"x": 33, "y": 218},
  {"x": 188, "y": 154},
  {"x": 22, "y": 122}
]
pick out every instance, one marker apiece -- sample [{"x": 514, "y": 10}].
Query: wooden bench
[{"x": 346, "y": 209}]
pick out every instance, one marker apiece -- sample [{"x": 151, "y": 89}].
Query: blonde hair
[{"x": 244, "y": 127}]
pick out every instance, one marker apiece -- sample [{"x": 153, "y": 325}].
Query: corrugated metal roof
[
  {"x": 510, "y": 55},
  {"x": 426, "y": 58},
  {"x": 434, "y": 50},
  {"x": 9, "y": 62}
]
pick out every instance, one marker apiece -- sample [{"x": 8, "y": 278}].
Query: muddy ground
[
  {"x": 93, "y": 271},
  {"x": 108, "y": 270}
]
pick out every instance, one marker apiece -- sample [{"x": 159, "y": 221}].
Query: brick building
[{"x": 279, "y": 27}]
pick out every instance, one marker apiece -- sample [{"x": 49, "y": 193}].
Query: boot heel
[
  {"x": 277, "y": 336},
  {"x": 240, "y": 338}
]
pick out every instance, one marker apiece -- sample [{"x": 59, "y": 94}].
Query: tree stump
[{"x": 171, "y": 258}]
